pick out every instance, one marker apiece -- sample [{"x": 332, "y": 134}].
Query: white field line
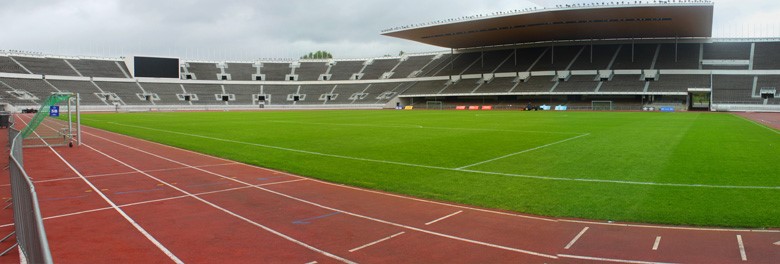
[
  {"x": 742, "y": 253},
  {"x": 610, "y": 260},
  {"x": 453, "y": 169},
  {"x": 758, "y": 124},
  {"x": 328, "y": 254},
  {"x": 453, "y": 205},
  {"x": 568, "y": 246},
  {"x": 444, "y": 217},
  {"x": 430, "y": 127},
  {"x": 161, "y": 200},
  {"x": 375, "y": 242},
  {"x": 657, "y": 242},
  {"x": 521, "y": 152},
  {"x": 343, "y": 211},
  {"x": 115, "y": 207}
]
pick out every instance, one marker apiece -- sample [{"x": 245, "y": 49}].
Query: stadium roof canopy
[{"x": 630, "y": 21}]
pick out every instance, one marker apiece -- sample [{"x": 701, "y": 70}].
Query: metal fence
[{"x": 30, "y": 234}]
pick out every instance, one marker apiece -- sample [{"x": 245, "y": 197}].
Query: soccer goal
[
  {"x": 602, "y": 105},
  {"x": 437, "y": 105},
  {"x": 54, "y": 124}
]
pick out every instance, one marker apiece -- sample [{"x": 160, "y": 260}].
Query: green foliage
[
  {"x": 320, "y": 54},
  {"x": 635, "y": 167}
]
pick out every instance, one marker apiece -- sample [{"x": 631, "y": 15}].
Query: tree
[
  {"x": 401, "y": 53},
  {"x": 320, "y": 54}
]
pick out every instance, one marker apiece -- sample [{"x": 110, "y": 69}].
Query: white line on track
[
  {"x": 758, "y": 124},
  {"x": 339, "y": 210},
  {"x": 657, "y": 242},
  {"x": 742, "y": 253},
  {"x": 610, "y": 260},
  {"x": 116, "y": 208},
  {"x": 521, "y": 152},
  {"x": 328, "y": 254},
  {"x": 444, "y": 217},
  {"x": 447, "y": 204},
  {"x": 461, "y": 170},
  {"x": 162, "y": 200},
  {"x": 131, "y": 172},
  {"x": 568, "y": 246},
  {"x": 375, "y": 242}
]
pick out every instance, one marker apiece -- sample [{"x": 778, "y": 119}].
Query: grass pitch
[{"x": 702, "y": 169}]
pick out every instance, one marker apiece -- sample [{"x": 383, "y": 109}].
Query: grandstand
[{"x": 645, "y": 61}]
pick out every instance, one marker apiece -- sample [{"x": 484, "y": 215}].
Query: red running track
[{"x": 121, "y": 199}]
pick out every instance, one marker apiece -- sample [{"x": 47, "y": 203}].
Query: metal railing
[{"x": 30, "y": 234}]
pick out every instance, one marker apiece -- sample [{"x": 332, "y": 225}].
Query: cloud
[{"x": 246, "y": 29}]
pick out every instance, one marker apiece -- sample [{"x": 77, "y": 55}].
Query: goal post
[
  {"x": 49, "y": 127},
  {"x": 602, "y": 105},
  {"x": 438, "y": 105}
]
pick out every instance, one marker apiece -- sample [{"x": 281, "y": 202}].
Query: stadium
[{"x": 586, "y": 133}]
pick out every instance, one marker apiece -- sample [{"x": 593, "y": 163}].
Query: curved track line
[{"x": 331, "y": 208}]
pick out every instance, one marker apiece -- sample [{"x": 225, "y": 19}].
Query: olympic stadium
[{"x": 587, "y": 133}]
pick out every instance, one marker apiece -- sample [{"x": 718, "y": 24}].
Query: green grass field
[{"x": 702, "y": 169}]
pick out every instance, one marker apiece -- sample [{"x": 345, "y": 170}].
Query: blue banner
[
  {"x": 667, "y": 109},
  {"x": 54, "y": 111}
]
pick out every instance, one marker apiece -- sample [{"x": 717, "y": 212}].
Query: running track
[{"x": 121, "y": 199}]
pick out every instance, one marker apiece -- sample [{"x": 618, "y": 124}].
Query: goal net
[
  {"x": 602, "y": 105},
  {"x": 53, "y": 124},
  {"x": 438, "y": 105}
]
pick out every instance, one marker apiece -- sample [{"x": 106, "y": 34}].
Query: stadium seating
[
  {"x": 206, "y": 93},
  {"x": 577, "y": 83},
  {"x": 9, "y": 66},
  {"x": 343, "y": 70},
  {"x": 410, "y": 65},
  {"x": 497, "y": 85},
  {"x": 311, "y": 71},
  {"x": 46, "y": 66},
  {"x": 244, "y": 93},
  {"x": 86, "y": 89},
  {"x": 461, "y": 87},
  {"x": 679, "y": 83},
  {"x": 766, "y": 56},
  {"x": 734, "y": 89},
  {"x": 492, "y": 59},
  {"x": 378, "y": 68},
  {"x": 127, "y": 91},
  {"x": 100, "y": 68},
  {"x": 204, "y": 71},
  {"x": 167, "y": 92},
  {"x": 275, "y": 71},
  {"x": 623, "y": 83},
  {"x": 240, "y": 71}
]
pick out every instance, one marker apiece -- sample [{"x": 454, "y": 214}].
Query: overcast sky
[{"x": 251, "y": 29}]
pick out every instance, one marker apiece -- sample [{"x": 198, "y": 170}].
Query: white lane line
[
  {"x": 328, "y": 254},
  {"x": 568, "y": 246},
  {"x": 375, "y": 242},
  {"x": 161, "y": 200},
  {"x": 445, "y": 204},
  {"x": 458, "y": 170},
  {"x": 313, "y": 262},
  {"x": 611, "y": 260},
  {"x": 657, "y": 242},
  {"x": 129, "y": 172},
  {"x": 115, "y": 207},
  {"x": 444, "y": 217},
  {"x": 342, "y": 211},
  {"x": 521, "y": 152},
  {"x": 742, "y": 253}
]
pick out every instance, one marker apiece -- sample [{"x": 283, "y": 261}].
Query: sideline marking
[
  {"x": 115, "y": 207},
  {"x": 657, "y": 242},
  {"x": 375, "y": 242},
  {"x": 758, "y": 124},
  {"x": 430, "y": 127},
  {"x": 452, "y": 169},
  {"x": 611, "y": 260},
  {"x": 576, "y": 237},
  {"x": 438, "y": 203},
  {"x": 334, "y": 209},
  {"x": 777, "y": 243},
  {"x": 226, "y": 210},
  {"x": 521, "y": 152},
  {"x": 445, "y": 217},
  {"x": 742, "y": 253}
]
